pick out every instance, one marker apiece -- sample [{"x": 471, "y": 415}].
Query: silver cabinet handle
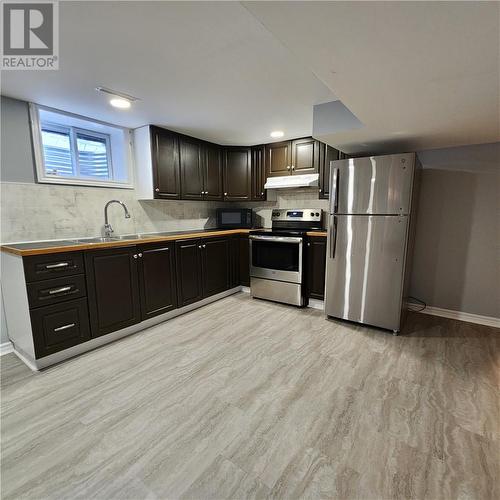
[
  {"x": 139, "y": 254},
  {"x": 288, "y": 167},
  {"x": 54, "y": 266},
  {"x": 262, "y": 193},
  {"x": 320, "y": 190},
  {"x": 157, "y": 190},
  {"x": 293, "y": 168},
  {"x": 134, "y": 256},
  {"x": 65, "y": 327},
  {"x": 308, "y": 244},
  {"x": 225, "y": 194},
  {"x": 204, "y": 246},
  {"x": 199, "y": 246},
  {"x": 59, "y": 290}
]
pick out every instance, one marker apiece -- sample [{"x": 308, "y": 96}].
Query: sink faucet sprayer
[{"x": 108, "y": 230}]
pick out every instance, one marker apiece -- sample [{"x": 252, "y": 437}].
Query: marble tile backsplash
[{"x": 43, "y": 211}]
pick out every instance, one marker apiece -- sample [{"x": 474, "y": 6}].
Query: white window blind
[{"x": 72, "y": 152}]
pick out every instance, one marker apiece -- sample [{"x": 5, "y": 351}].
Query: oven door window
[{"x": 278, "y": 256}]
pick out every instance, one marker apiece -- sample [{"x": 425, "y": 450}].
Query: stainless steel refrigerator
[{"x": 370, "y": 226}]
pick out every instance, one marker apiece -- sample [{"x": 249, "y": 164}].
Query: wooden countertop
[
  {"x": 322, "y": 234},
  {"x": 37, "y": 248}
]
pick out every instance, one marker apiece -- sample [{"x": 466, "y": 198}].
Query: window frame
[{"x": 44, "y": 178}]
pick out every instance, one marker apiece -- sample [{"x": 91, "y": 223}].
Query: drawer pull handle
[
  {"x": 54, "y": 266},
  {"x": 59, "y": 290},
  {"x": 65, "y": 327}
]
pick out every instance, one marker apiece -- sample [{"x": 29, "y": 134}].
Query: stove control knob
[
  {"x": 317, "y": 214},
  {"x": 312, "y": 214}
]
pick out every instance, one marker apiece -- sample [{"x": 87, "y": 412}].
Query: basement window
[{"x": 71, "y": 149}]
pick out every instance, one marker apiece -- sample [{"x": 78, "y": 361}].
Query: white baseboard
[
  {"x": 5, "y": 348},
  {"x": 463, "y": 316}
]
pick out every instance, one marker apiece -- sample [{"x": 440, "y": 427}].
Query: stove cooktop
[{"x": 283, "y": 232}]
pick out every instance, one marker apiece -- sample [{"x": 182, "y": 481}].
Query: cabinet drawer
[
  {"x": 44, "y": 293},
  {"x": 60, "y": 326},
  {"x": 42, "y": 267}
]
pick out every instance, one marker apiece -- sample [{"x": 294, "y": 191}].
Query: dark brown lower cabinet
[
  {"x": 60, "y": 326},
  {"x": 157, "y": 279},
  {"x": 113, "y": 289},
  {"x": 244, "y": 260},
  {"x": 234, "y": 251},
  {"x": 316, "y": 261},
  {"x": 189, "y": 277},
  {"x": 203, "y": 268},
  {"x": 215, "y": 265}
]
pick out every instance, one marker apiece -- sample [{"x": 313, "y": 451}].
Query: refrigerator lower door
[{"x": 365, "y": 268}]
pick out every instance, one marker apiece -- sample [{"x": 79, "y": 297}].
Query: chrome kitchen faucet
[{"x": 108, "y": 230}]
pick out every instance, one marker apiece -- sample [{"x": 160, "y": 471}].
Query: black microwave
[{"x": 234, "y": 218}]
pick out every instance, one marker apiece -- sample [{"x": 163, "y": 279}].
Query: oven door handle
[{"x": 276, "y": 239}]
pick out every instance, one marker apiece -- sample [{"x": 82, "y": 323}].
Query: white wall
[{"x": 457, "y": 246}]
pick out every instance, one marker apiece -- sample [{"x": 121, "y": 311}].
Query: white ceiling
[
  {"x": 418, "y": 75},
  {"x": 209, "y": 69}
]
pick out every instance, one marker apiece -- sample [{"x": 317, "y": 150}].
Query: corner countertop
[{"x": 68, "y": 245}]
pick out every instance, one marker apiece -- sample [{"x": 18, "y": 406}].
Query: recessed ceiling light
[
  {"x": 277, "y": 133},
  {"x": 119, "y": 102},
  {"x": 118, "y": 99}
]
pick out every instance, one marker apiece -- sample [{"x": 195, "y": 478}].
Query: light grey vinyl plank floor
[{"x": 251, "y": 399}]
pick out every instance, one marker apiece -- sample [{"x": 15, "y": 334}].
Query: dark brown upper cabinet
[
  {"x": 237, "y": 174},
  {"x": 165, "y": 161},
  {"x": 327, "y": 154},
  {"x": 212, "y": 172},
  {"x": 278, "y": 158},
  {"x": 112, "y": 289},
  {"x": 157, "y": 279},
  {"x": 316, "y": 262},
  {"x": 300, "y": 156},
  {"x": 258, "y": 173},
  {"x": 191, "y": 168},
  {"x": 305, "y": 156}
]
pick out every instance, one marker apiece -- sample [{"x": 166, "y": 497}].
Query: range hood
[{"x": 292, "y": 181}]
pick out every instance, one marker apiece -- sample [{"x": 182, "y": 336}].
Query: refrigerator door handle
[
  {"x": 333, "y": 235},
  {"x": 335, "y": 191}
]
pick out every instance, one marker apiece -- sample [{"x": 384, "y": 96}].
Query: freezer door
[
  {"x": 373, "y": 185},
  {"x": 365, "y": 269}
]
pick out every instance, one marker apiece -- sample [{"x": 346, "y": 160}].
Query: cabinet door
[
  {"x": 258, "y": 173},
  {"x": 188, "y": 269},
  {"x": 212, "y": 172},
  {"x": 244, "y": 260},
  {"x": 237, "y": 174},
  {"x": 113, "y": 289},
  {"x": 278, "y": 159},
  {"x": 234, "y": 249},
  {"x": 316, "y": 261},
  {"x": 305, "y": 156},
  {"x": 327, "y": 154},
  {"x": 216, "y": 265},
  {"x": 191, "y": 169},
  {"x": 165, "y": 156},
  {"x": 157, "y": 279}
]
